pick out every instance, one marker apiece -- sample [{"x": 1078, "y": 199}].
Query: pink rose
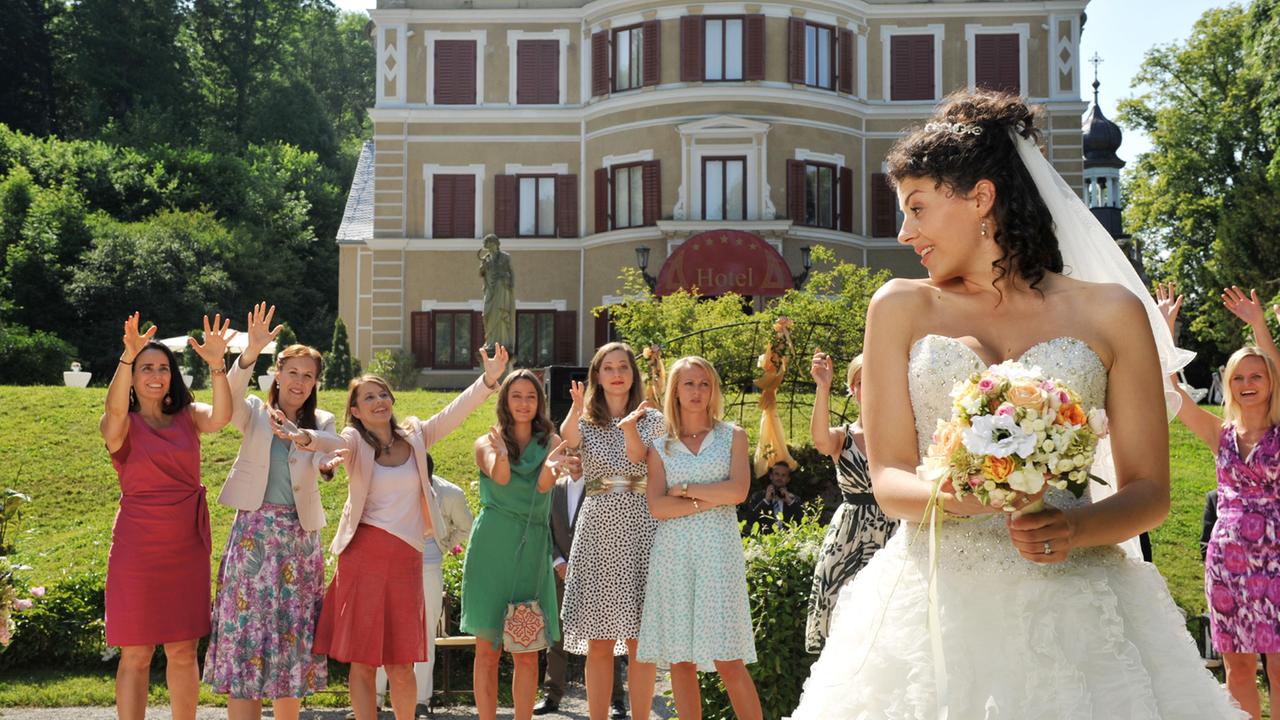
[
  {"x": 456, "y": 550},
  {"x": 1222, "y": 600},
  {"x": 22, "y": 604},
  {"x": 1047, "y": 386},
  {"x": 1252, "y": 526},
  {"x": 1063, "y": 397},
  {"x": 37, "y": 591},
  {"x": 986, "y": 385},
  {"x": 1006, "y": 409}
]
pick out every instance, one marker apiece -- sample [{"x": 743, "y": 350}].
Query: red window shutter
[
  {"x": 455, "y": 72},
  {"x": 442, "y": 198},
  {"x": 477, "y": 337},
  {"x": 537, "y": 72},
  {"x": 651, "y": 185},
  {"x": 464, "y": 206},
  {"x": 420, "y": 338},
  {"x": 795, "y": 50},
  {"x": 884, "y": 207},
  {"x": 567, "y": 206},
  {"x": 505, "y": 192},
  {"x": 602, "y": 327},
  {"x": 692, "y": 59},
  {"x": 795, "y": 191},
  {"x": 844, "y": 64},
  {"x": 753, "y": 44},
  {"x": 566, "y": 338},
  {"x": 652, "y": 36},
  {"x": 600, "y": 63},
  {"x": 846, "y": 200},
  {"x": 602, "y": 199},
  {"x": 997, "y": 64},
  {"x": 911, "y": 67}
]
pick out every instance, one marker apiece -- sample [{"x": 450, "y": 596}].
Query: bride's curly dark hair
[{"x": 1024, "y": 227}]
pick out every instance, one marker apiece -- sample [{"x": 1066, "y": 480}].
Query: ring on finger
[{"x": 1048, "y": 547}]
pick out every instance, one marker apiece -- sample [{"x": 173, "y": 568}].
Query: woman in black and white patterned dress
[
  {"x": 609, "y": 560},
  {"x": 859, "y": 528}
]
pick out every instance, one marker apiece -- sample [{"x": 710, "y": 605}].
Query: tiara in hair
[{"x": 956, "y": 128}]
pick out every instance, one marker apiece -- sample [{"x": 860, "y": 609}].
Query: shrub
[
  {"x": 194, "y": 364},
  {"x": 396, "y": 367},
  {"x": 63, "y": 629},
  {"x": 338, "y": 370},
  {"x": 779, "y": 575},
  {"x": 32, "y": 357}
]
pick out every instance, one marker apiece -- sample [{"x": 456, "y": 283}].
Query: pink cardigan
[{"x": 422, "y": 434}]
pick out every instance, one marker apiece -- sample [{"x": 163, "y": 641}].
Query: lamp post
[
  {"x": 642, "y": 260},
  {"x": 807, "y": 262}
]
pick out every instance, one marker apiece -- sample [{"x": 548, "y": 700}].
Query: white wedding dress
[{"x": 1097, "y": 636}]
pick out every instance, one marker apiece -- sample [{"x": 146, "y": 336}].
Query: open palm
[{"x": 215, "y": 342}]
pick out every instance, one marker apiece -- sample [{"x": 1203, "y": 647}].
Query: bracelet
[
  {"x": 684, "y": 490},
  {"x": 695, "y": 504},
  {"x": 218, "y": 371},
  {"x": 130, "y": 363}
]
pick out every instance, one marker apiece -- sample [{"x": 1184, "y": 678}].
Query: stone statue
[{"x": 499, "y": 295}]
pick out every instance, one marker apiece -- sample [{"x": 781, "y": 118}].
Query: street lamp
[
  {"x": 807, "y": 262},
  {"x": 642, "y": 260}
]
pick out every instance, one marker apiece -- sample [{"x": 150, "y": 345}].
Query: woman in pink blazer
[
  {"x": 271, "y": 579},
  {"x": 374, "y": 612}
]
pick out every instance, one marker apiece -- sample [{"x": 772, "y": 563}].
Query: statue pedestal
[
  {"x": 76, "y": 378},
  {"x": 264, "y": 382}
]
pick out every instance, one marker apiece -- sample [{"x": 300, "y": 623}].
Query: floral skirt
[{"x": 270, "y": 585}]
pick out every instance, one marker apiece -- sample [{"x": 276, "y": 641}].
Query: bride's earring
[{"x": 984, "y": 229}]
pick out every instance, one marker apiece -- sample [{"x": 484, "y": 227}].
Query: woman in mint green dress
[
  {"x": 509, "y": 554},
  {"x": 696, "y": 615}
]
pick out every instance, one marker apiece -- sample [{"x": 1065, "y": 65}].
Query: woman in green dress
[{"x": 509, "y": 555}]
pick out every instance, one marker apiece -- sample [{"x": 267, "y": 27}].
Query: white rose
[
  {"x": 1098, "y": 422},
  {"x": 1047, "y": 445},
  {"x": 1026, "y": 480},
  {"x": 1039, "y": 425}
]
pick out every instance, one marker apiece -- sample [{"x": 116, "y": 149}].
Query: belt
[
  {"x": 616, "y": 483},
  {"x": 858, "y": 499}
]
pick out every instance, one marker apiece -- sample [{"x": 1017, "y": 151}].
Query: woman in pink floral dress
[{"x": 1242, "y": 567}]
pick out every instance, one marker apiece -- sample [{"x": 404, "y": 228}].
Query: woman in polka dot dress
[
  {"x": 609, "y": 561},
  {"x": 696, "y": 615}
]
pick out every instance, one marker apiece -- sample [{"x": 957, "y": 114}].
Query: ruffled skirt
[{"x": 1095, "y": 637}]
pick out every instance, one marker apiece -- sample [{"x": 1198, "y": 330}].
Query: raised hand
[
  {"x": 634, "y": 416},
  {"x": 821, "y": 370},
  {"x": 339, "y": 457},
  {"x": 557, "y": 460},
  {"x": 1246, "y": 307},
  {"x": 577, "y": 392},
  {"x": 214, "y": 347},
  {"x": 496, "y": 441},
  {"x": 1169, "y": 303},
  {"x": 134, "y": 341},
  {"x": 259, "y": 328},
  {"x": 494, "y": 366}
]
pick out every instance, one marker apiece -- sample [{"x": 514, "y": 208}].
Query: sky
[{"x": 1119, "y": 31}]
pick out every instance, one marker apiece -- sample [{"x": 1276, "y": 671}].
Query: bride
[{"x": 1042, "y": 616}]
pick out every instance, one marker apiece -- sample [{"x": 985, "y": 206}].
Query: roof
[{"x": 357, "y": 218}]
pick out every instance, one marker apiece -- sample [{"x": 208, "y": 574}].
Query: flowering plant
[{"x": 1012, "y": 431}]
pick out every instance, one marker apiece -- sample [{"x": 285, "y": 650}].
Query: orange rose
[
  {"x": 1072, "y": 414},
  {"x": 946, "y": 440},
  {"x": 997, "y": 468},
  {"x": 1026, "y": 395}
]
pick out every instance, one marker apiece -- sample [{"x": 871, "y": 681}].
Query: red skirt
[{"x": 373, "y": 611}]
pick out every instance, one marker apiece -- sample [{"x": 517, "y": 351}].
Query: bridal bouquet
[{"x": 1013, "y": 430}]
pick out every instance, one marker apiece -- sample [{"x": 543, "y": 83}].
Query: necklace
[
  {"x": 387, "y": 448},
  {"x": 694, "y": 435}
]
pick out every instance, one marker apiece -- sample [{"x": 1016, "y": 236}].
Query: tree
[
  {"x": 337, "y": 364},
  {"x": 1200, "y": 201},
  {"x": 192, "y": 363},
  {"x": 285, "y": 338},
  {"x": 26, "y": 85}
]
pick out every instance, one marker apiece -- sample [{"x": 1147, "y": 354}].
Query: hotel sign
[{"x": 721, "y": 261}]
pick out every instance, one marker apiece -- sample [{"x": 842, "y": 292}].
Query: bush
[
  {"x": 396, "y": 367},
  {"x": 338, "y": 369},
  {"x": 194, "y": 364},
  {"x": 63, "y": 629},
  {"x": 779, "y": 575},
  {"x": 32, "y": 357}
]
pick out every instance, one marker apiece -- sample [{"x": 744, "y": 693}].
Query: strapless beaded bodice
[{"x": 936, "y": 363}]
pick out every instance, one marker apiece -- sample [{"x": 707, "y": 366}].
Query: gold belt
[{"x": 616, "y": 483}]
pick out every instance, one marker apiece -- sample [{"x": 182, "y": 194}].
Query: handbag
[{"x": 524, "y": 627}]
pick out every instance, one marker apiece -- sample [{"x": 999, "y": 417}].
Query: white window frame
[
  {"x": 432, "y": 36},
  {"x": 837, "y": 159},
  {"x": 938, "y": 31},
  {"x": 640, "y": 156},
  {"x": 428, "y": 175},
  {"x": 753, "y": 143},
  {"x": 1022, "y": 30},
  {"x": 513, "y": 40},
  {"x": 742, "y": 44}
]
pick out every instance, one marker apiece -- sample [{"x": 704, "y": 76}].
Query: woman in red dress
[{"x": 158, "y": 570}]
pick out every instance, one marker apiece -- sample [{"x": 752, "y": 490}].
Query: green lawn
[{"x": 50, "y": 449}]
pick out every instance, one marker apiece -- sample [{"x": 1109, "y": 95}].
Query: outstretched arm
[
  {"x": 455, "y": 413},
  {"x": 826, "y": 439},
  {"x": 213, "y": 351},
  {"x": 1203, "y": 423},
  {"x": 114, "y": 424}
]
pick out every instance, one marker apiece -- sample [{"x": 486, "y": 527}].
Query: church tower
[{"x": 1101, "y": 140}]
